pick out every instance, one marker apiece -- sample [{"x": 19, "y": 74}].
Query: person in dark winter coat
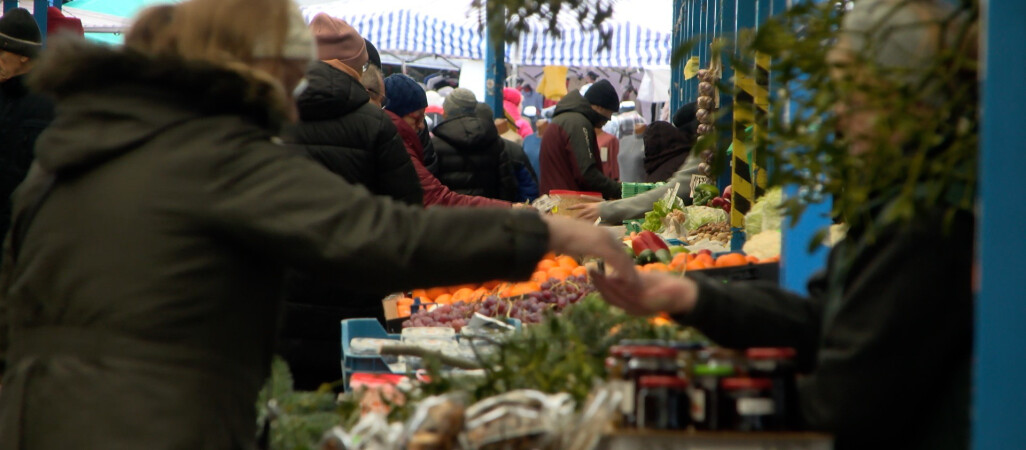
[
  {"x": 472, "y": 159},
  {"x": 343, "y": 131},
  {"x": 339, "y": 128},
  {"x": 666, "y": 149},
  {"x": 143, "y": 296},
  {"x": 406, "y": 105},
  {"x": 526, "y": 179},
  {"x": 23, "y": 114},
  {"x": 570, "y": 156},
  {"x": 885, "y": 337}
]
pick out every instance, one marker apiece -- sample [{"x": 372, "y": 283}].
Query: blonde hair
[
  {"x": 150, "y": 28},
  {"x": 225, "y": 31}
]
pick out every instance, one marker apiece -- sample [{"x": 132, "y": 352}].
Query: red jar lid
[
  {"x": 770, "y": 353},
  {"x": 746, "y": 383},
  {"x": 643, "y": 351},
  {"x": 662, "y": 381}
]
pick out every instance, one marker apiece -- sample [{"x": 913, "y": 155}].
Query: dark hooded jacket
[
  {"x": 340, "y": 129},
  {"x": 472, "y": 159},
  {"x": 23, "y": 115},
  {"x": 570, "y": 157},
  {"x": 885, "y": 339},
  {"x": 141, "y": 310},
  {"x": 666, "y": 148}
]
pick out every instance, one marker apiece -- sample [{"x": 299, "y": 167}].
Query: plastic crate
[
  {"x": 628, "y": 190},
  {"x": 362, "y": 328},
  {"x": 766, "y": 271},
  {"x": 371, "y": 328}
]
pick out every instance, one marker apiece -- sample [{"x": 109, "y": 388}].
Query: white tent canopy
[{"x": 641, "y": 33}]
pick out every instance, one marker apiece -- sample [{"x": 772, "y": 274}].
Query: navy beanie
[{"x": 404, "y": 95}]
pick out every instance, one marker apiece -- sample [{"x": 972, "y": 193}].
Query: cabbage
[
  {"x": 701, "y": 215},
  {"x": 766, "y": 214}
]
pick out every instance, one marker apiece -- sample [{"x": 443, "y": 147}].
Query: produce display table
[{"x": 699, "y": 440}]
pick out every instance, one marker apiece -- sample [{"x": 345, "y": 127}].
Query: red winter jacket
[
  {"x": 435, "y": 193},
  {"x": 569, "y": 151}
]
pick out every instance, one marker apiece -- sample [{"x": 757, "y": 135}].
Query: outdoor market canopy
[{"x": 640, "y": 32}]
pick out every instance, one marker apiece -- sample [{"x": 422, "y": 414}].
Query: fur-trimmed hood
[{"x": 110, "y": 99}]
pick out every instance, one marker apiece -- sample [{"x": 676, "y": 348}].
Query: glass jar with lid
[
  {"x": 749, "y": 404},
  {"x": 663, "y": 403},
  {"x": 707, "y": 403},
  {"x": 778, "y": 365}
]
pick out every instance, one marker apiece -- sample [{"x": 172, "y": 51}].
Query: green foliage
[
  {"x": 298, "y": 419},
  {"x": 920, "y": 147},
  {"x": 562, "y": 354},
  {"x": 654, "y": 218}
]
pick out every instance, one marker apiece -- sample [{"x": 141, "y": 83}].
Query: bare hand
[
  {"x": 587, "y": 211},
  {"x": 579, "y": 238},
  {"x": 657, "y": 292}
]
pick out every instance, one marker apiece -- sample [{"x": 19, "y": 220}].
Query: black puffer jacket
[
  {"x": 351, "y": 137},
  {"x": 357, "y": 141},
  {"x": 23, "y": 115},
  {"x": 472, "y": 159}
]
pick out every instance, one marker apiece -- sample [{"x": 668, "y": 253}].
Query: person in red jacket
[
  {"x": 570, "y": 156},
  {"x": 407, "y": 102}
]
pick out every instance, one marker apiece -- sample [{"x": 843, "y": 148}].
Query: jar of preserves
[
  {"x": 707, "y": 404},
  {"x": 778, "y": 365},
  {"x": 639, "y": 361},
  {"x": 663, "y": 403},
  {"x": 750, "y": 405}
]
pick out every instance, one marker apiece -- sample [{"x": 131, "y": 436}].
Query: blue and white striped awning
[{"x": 443, "y": 27}]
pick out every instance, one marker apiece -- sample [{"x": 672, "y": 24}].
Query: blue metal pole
[
  {"x": 495, "y": 64},
  {"x": 59, "y": 4},
  {"x": 39, "y": 12},
  {"x": 1000, "y": 355}
]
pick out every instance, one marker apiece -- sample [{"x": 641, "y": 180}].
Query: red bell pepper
[{"x": 647, "y": 240}]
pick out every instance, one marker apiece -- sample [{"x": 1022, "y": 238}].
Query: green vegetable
[
  {"x": 663, "y": 255},
  {"x": 675, "y": 249},
  {"x": 701, "y": 215},
  {"x": 766, "y": 213},
  {"x": 654, "y": 218},
  {"x": 704, "y": 193},
  {"x": 646, "y": 257}
]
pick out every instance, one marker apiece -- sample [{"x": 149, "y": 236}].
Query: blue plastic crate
[{"x": 362, "y": 328}]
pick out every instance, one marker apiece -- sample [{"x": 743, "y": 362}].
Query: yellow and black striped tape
[{"x": 751, "y": 107}]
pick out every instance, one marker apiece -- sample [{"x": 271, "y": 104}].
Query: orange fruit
[
  {"x": 661, "y": 267},
  {"x": 567, "y": 262},
  {"x": 491, "y": 284},
  {"x": 444, "y": 299},
  {"x": 404, "y": 301},
  {"x": 504, "y": 289},
  {"x": 752, "y": 259},
  {"x": 679, "y": 261},
  {"x": 540, "y": 276},
  {"x": 579, "y": 271},
  {"x": 404, "y": 310},
  {"x": 462, "y": 295},
  {"x": 419, "y": 293},
  {"x": 479, "y": 294},
  {"x": 769, "y": 260},
  {"x": 546, "y": 264},
  {"x": 549, "y": 255},
  {"x": 559, "y": 273},
  {"x": 706, "y": 259},
  {"x": 436, "y": 292},
  {"x": 697, "y": 264},
  {"x": 731, "y": 259}
]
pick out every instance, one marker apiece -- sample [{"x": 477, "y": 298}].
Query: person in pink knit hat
[{"x": 511, "y": 105}]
